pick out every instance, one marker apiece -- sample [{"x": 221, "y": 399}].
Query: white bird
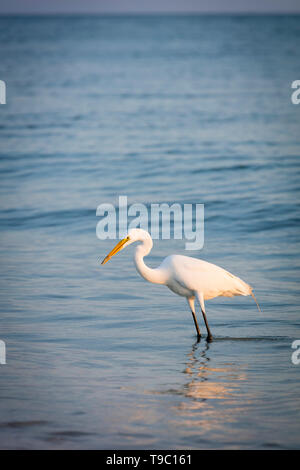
[{"x": 189, "y": 277}]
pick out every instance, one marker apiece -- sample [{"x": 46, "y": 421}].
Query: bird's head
[{"x": 133, "y": 235}]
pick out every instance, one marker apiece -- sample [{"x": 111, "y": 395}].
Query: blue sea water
[{"x": 188, "y": 109}]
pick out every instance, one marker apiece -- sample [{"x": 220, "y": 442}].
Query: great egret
[{"x": 189, "y": 277}]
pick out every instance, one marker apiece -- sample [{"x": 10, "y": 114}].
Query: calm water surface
[{"x": 161, "y": 109}]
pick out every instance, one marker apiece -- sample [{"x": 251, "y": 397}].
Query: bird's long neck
[{"x": 158, "y": 275}]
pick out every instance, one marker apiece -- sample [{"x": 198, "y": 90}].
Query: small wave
[
  {"x": 62, "y": 436},
  {"x": 252, "y": 338},
  {"x": 223, "y": 168},
  {"x": 20, "y": 219},
  {"x": 23, "y": 424}
]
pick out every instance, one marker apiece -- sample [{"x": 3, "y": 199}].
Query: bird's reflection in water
[
  {"x": 202, "y": 374},
  {"x": 212, "y": 396}
]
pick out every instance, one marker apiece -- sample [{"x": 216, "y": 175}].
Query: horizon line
[{"x": 151, "y": 13}]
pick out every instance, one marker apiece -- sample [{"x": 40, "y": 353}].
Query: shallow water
[{"x": 161, "y": 109}]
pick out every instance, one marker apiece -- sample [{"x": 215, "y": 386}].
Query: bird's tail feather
[{"x": 256, "y": 301}]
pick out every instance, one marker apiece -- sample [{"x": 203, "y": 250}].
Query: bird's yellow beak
[{"x": 115, "y": 250}]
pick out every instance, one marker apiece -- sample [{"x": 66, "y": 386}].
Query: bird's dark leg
[
  {"x": 196, "y": 325},
  {"x": 201, "y": 302},
  {"x": 191, "y": 302},
  {"x": 209, "y": 335}
]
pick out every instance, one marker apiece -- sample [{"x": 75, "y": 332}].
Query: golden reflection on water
[
  {"x": 212, "y": 396},
  {"x": 202, "y": 382}
]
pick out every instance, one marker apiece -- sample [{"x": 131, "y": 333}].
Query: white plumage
[
  {"x": 188, "y": 277},
  {"x": 197, "y": 275}
]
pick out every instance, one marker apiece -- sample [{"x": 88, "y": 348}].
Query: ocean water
[{"x": 188, "y": 109}]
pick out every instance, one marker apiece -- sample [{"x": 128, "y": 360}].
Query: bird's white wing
[{"x": 201, "y": 276}]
